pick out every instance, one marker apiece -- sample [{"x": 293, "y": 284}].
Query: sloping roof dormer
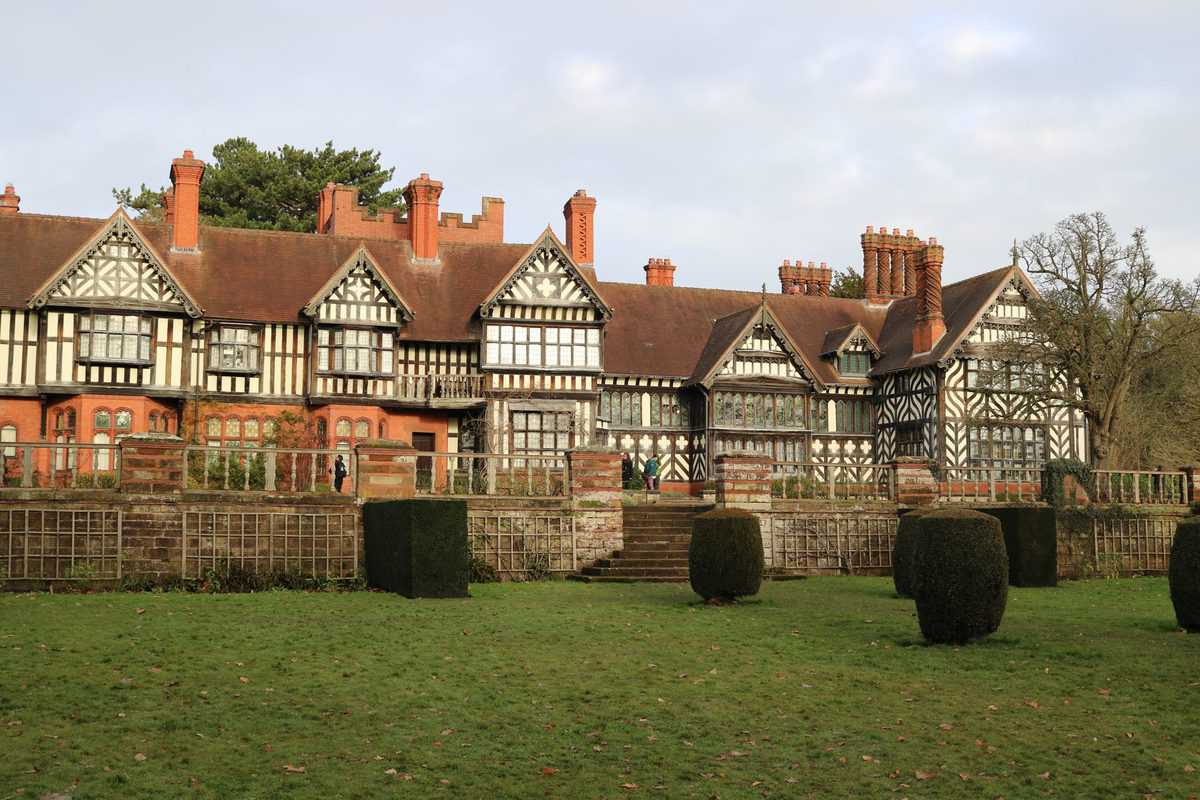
[
  {"x": 359, "y": 292},
  {"x": 545, "y": 276},
  {"x": 851, "y": 335},
  {"x": 119, "y": 268},
  {"x": 755, "y": 332}
]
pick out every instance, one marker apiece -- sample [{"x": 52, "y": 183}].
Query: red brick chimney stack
[
  {"x": 930, "y": 324},
  {"x": 660, "y": 272},
  {"x": 812, "y": 280},
  {"x": 186, "y": 173},
  {"x": 325, "y": 207},
  {"x": 579, "y": 213},
  {"x": 888, "y": 264},
  {"x": 168, "y": 205},
  {"x": 422, "y": 195},
  {"x": 10, "y": 201},
  {"x": 789, "y": 277},
  {"x": 870, "y": 248}
]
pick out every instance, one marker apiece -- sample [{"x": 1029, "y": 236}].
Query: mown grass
[{"x": 821, "y": 688}]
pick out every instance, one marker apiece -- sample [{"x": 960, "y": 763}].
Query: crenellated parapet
[{"x": 339, "y": 214}]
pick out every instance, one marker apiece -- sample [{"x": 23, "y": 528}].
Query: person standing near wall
[
  {"x": 626, "y": 470},
  {"x": 650, "y": 472},
  {"x": 339, "y": 474}
]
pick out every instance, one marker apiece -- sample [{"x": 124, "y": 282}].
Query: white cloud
[{"x": 971, "y": 44}]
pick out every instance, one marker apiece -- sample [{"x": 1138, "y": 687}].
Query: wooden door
[{"x": 425, "y": 443}]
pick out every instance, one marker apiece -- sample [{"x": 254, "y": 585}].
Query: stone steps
[{"x": 656, "y": 540}]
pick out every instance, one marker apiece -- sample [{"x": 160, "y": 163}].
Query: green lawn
[{"x": 822, "y": 688}]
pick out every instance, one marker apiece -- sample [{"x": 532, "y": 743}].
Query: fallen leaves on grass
[
  {"x": 549, "y": 771},
  {"x": 1034, "y": 704},
  {"x": 925, "y": 776},
  {"x": 139, "y": 756},
  {"x": 293, "y": 768},
  {"x": 946, "y": 726}
]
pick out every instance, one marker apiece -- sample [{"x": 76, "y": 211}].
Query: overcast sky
[{"x": 725, "y": 136}]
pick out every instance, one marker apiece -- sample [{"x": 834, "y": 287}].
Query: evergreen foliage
[
  {"x": 725, "y": 557},
  {"x": 245, "y": 187},
  {"x": 417, "y": 548},
  {"x": 1184, "y": 574},
  {"x": 961, "y": 585},
  {"x": 1053, "y": 473},
  {"x": 904, "y": 552},
  {"x": 1031, "y": 539}
]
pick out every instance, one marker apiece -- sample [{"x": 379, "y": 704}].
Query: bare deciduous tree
[{"x": 1103, "y": 316}]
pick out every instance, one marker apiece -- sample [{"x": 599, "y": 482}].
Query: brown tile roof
[
  {"x": 724, "y": 334},
  {"x": 268, "y": 276},
  {"x": 663, "y": 330},
  {"x": 962, "y": 303}
]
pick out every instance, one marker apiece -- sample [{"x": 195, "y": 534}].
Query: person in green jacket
[{"x": 650, "y": 473}]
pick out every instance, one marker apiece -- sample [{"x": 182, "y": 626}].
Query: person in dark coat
[
  {"x": 626, "y": 470},
  {"x": 339, "y": 474}
]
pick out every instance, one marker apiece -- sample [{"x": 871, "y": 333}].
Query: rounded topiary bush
[
  {"x": 961, "y": 575},
  {"x": 1184, "y": 574},
  {"x": 904, "y": 551},
  {"x": 725, "y": 557}
]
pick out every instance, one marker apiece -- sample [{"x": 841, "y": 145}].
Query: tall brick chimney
[
  {"x": 660, "y": 272},
  {"x": 422, "y": 195},
  {"x": 930, "y": 325},
  {"x": 799, "y": 279},
  {"x": 888, "y": 265},
  {"x": 10, "y": 201},
  {"x": 579, "y": 212},
  {"x": 186, "y": 173},
  {"x": 168, "y": 205}
]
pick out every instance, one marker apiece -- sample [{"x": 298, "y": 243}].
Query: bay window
[{"x": 233, "y": 348}]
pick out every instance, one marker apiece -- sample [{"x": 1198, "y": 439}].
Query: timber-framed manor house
[{"x": 424, "y": 327}]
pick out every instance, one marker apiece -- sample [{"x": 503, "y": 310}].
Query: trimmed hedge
[
  {"x": 904, "y": 552},
  {"x": 961, "y": 585},
  {"x": 417, "y": 548},
  {"x": 1184, "y": 574},
  {"x": 1031, "y": 539},
  {"x": 725, "y": 557}
]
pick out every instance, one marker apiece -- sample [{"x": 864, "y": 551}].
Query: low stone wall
[
  {"x": 816, "y": 537},
  {"x": 107, "y": 536},
  {"x": 1116, "y": 541}
]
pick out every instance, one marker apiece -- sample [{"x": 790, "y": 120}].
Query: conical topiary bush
[
  {"x": 1184, "y": 574},
  {"x": 961, "y": 568}
]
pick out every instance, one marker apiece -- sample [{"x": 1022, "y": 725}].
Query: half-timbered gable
[
  {"x": 542, "y": 351},
  {"x": 991, "y": 419},
  {"x": 546, "y": 285},
  {"x": 356, "y": 315},
  {"x": 117, "y": 268},
  {"x": 359, "y": 293},
  {"x": 115, "y": 315}
]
